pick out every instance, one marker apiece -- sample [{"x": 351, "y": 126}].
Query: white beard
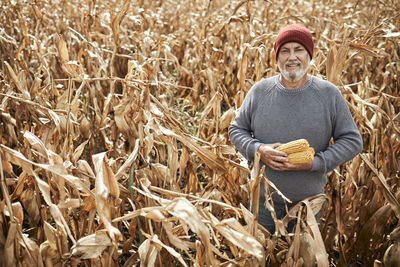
[{"x": 294, "y": 75}]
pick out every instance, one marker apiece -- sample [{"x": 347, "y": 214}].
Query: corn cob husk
[
  {"x": 302, "y": 156},
  {"x": 294, "y": 146}
]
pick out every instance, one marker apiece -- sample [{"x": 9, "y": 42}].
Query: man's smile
[{"x": 293, "y": 65}]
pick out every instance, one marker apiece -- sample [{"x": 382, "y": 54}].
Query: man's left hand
[{"x": 287, "y": 166}]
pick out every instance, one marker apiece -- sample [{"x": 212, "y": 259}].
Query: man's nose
[{"x": 292, "y": 56}]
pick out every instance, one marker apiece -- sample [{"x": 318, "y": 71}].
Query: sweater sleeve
[
  {"x": 240, "y": 131},
  {"x": 347, "y": 139}
]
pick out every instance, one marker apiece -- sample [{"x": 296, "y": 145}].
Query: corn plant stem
[
  {"x": 6, "y": 196},
  {"x": 130, "y": 183},
  {"x": 66, "y": 142},
  {"x": 4, "y": 190}
]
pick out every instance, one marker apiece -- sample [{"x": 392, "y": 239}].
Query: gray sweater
[{"x": 317, "y": 111}]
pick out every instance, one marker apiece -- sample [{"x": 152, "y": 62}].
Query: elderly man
[{"x": 290, "y": 106}]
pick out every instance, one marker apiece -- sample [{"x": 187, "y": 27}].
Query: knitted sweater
[{"x": 316, "y": 111}]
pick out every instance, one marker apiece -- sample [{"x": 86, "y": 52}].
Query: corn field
[{"x": 114, "y": 147}]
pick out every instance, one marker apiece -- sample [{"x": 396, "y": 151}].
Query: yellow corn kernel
[
  {"x": 294, "y": 146},
  {"x": 302, "y": 157}
]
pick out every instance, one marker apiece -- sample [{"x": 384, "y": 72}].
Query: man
[{"x": 291, "y": 106}]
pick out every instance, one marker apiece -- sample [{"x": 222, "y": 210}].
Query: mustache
[{"x": 292, "y": 62}]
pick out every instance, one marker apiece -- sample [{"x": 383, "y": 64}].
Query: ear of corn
[
  {"x": 294, "y": 146},
  {"x": 302, "y": 156},
  {"x": 298, "y": 151}
]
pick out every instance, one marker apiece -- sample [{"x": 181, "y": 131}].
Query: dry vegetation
[{"x": 114, "y": 147}]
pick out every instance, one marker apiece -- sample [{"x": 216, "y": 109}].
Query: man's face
[{"x": 293, "y": 61}]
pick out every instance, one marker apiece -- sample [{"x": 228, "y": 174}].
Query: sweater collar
[{"x": 293, "y": 91}]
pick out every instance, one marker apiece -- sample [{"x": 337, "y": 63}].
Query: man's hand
[
  {"x": 271, "y": 157},
  {"x": 277, "y": 160}
]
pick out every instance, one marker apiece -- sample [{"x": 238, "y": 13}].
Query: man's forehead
[{"x": 292, "y": 44}]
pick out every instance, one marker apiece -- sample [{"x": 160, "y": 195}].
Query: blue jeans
[{"x": 266, "y": 220}]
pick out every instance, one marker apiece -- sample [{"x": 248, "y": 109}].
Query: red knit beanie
[{"x": 294, "y": 33}]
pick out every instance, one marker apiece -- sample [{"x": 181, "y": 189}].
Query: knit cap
[{"x": 294, "y": 33}]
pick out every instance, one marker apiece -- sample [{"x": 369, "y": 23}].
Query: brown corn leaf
[
  {"x": 61, "y": 224},
  {"x": 381, "y": 181},
  {"x": 49, "y": 254},
  {"x": 175, "y": 240},
  {"x": 154, "y": 213},
  {"x": 132, "y": 157},
  {"x": 18, "y": 212},
  {"x": 17, "y": 82},
  {"x": 62, "y": 50},
  {"x": 91, "y": 246},
  {"x": 156, "y": 240},
  {"x": 18, "y": 159},
  {"x": 106, "y": 186},
  {"x": 319, "y": 247},
  {"x": 148, "y": 253},
  {"x": 210, "y": 158},
  {"x": 183, "y": 160},
  {"x": 335, "y": 62},
  {"x": 242, "y": 67},
  {"x": 28, "y": 199},
  {"x": 116, "y": 21},
  {"x": 78, "y": 151},
  {"x": 51, "y": 235},
  {"x": 121, "y": 110},
  {"x": 226, "y": 118},
  {"x": 37, "y": 144},
  {"x": 10, "y": 246},
  {"x": 182, "y": 209},
  {"x": 235, "y": 233}
]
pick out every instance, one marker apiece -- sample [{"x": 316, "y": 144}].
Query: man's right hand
[{"x": 273, "y": 158}]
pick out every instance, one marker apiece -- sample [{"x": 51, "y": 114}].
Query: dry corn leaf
[
  {"x": 235, "y": 233},
  {"x": 62, "y": 50},
  {"x": 148, "y": 253},
  {"x": 37, "y": 144},
  {"x": 242, "y": 67},
  {"x": 335, "y": 62},
  {"x": 116, "y": 21},
  {"x": 156, "y": 240},
  {"x": 106, "y": 187},
  {"x": 9, "y": 246},
  {"x": 58, "y": 170},
  {"x": 211, "y": 159},
  {"x": 154, "y": 213},
  {"x": 51, "y": 236},
  {"x": 394, "y": 203},
  {"x": 91, "y": 246},
  {"x": 29, "y": 201},
  {"x": 226, "y": 118},
  {"x": 175, "y": 240},
  {"x": 49, "y": 255},
  {"x": 182, "y": 209},
  {"x": 78, "y": 151},
  {"x": 18, "y": 212},
  {"x": 132, "y": 157},
  {"x": 319, "y": 247},
  {"x": 121, "y": 110},
  {"x": 17, "y": 82}
]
